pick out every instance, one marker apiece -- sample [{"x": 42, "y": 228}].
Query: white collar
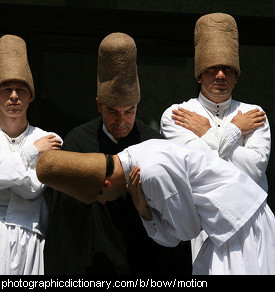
[
  {"x": 214, "y": 107},
  {"x": 19, "y": 139},
  {"x": 108, "y": 134}
]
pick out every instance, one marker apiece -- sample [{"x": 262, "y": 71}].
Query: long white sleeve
[{"x": 17, "y": 168}]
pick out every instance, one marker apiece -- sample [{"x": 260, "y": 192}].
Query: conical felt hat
[
  {"x": 117, "y": 75},
  {"x": 14, "y": 63},
  {"x": 80, "y": 175},
  {"x": 216, "y": 42}
]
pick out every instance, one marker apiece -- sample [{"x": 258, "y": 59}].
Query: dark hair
[{"x": 109, "y": 164}]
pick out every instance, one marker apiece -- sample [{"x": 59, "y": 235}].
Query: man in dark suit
[{"x": 110, "y": 239}]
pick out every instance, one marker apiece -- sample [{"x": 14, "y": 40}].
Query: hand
[
  {"x": 191, "y": 121},
  {"x": 134, "y": 188},
  {"x": 48, "y": 142},
  {"x": 249, "y": 121}
]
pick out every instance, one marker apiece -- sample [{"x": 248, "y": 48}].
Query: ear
[
  {"x": 107, "y": 183},
  {"x": 98, "y": 105},
  {"x": 198, "y": 79}
]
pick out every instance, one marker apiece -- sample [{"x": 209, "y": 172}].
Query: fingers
[
  {"x": 250, "y": 120},
  {"x": 134, "y": 177},
  {"x": 54, "y": 142},
  {"x": 50, "y": 136},
  {"x": 184, "y": 111},
  {"x": 181, "y": 116},
  {"x": 257, "y": 115},
  {"x": 53, "y": 138},
  {"x": 54, "y": 147},
  {"x": 134, "y": 185},
  {"x": 255, "y": 110},
  {"x": 181, "y": 113},
  {"x": 260, "y": 119},
  {"x": 49, "y": 142}
]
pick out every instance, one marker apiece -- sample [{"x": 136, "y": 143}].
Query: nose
[
  {"x": 220, "y": 74},
  {"x": 14, "y": 94},
  {"x": 120, "y": 119}
]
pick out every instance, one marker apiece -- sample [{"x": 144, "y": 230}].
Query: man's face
[
  {"x": 15, "y": 98},
  {"x": 119, "y": 121},
  {"x": 217, "y": 83}
]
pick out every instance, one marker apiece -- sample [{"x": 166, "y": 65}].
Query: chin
[
  {"x": 122, "y": 135},
  {"x": 220, "y": 92}
]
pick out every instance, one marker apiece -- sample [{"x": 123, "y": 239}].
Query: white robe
[
  {"x": 23, "y": 211},
  {"x": 189, "y": 190},
  {"x": 249, "y": 152}
]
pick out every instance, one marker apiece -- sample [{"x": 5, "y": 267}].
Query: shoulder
[
  {"x": 89, "y": 127},
  {"x": 185, "y": 104},
  {"x": 245, "y": 106},
  {"x": 38, "y": 132},
  {"x": 83, "y": 138}
]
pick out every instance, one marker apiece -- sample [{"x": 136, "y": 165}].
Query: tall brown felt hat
[
  {"x": 216, "y": 42},
  {"x": 14, "y": 63},
  {"x": 80, "y": 175},
  {"x": 117, "y": 75}
]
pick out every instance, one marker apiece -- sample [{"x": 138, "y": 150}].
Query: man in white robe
[
  {"x": 23, "y": 210},
  {"x": 178, "y": 192},
  {"x": 237, "y": 132}
]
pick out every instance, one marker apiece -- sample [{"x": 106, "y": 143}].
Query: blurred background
[{"x": 63, "y": 39}]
